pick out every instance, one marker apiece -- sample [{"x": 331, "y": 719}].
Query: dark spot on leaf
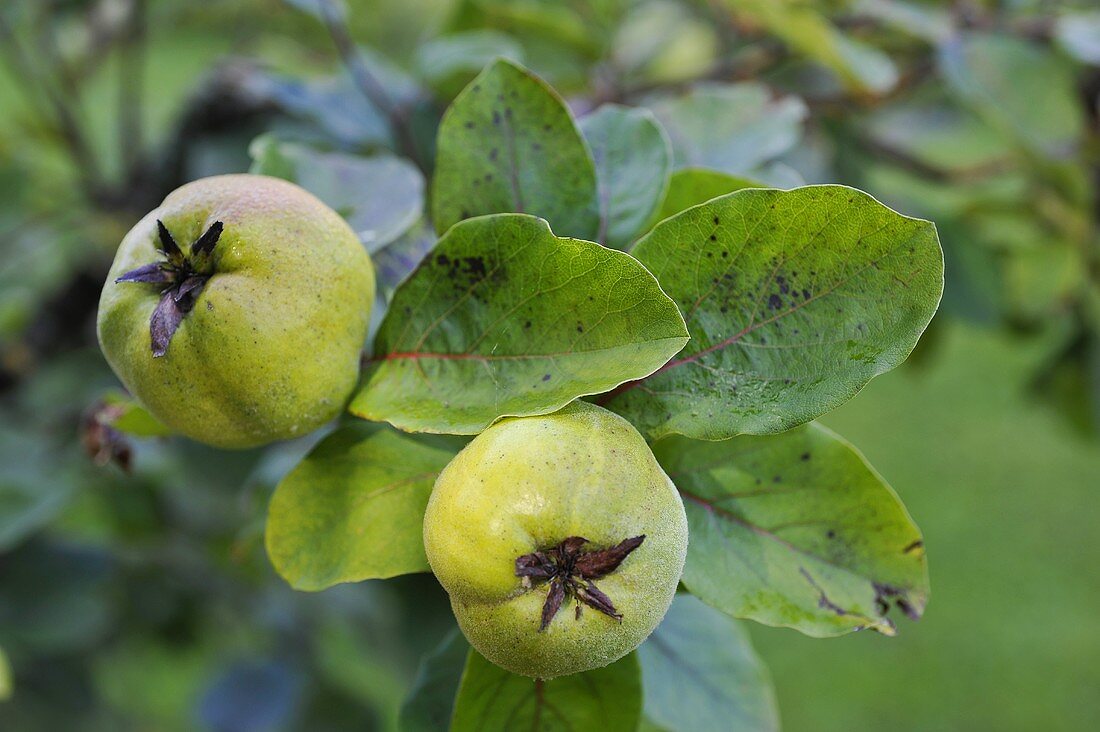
[
  {"x": 546, "y": 377},
  {"x": 774, "y": 301},
  {"x": 804, "y": 456}
]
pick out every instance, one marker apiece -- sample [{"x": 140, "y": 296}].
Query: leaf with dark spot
[
  {"x": 555, "y": 181},
  {"x": 462, "y": 355},
  {"x": 762, "y": 357},
  {"x": 823, "y": 551},
  {"x": 594, "y": 565},
  {"x": 162, "y": 326}
]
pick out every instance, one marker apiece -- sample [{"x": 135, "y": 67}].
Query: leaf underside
[{"x": 796, "y": 530}]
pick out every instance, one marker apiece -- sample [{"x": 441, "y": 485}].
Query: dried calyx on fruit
[
  {"x": 571, "y": 573},
  {"x": 182, "y": 277}
]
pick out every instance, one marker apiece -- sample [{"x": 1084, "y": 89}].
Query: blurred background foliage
[{"x": 134, "y": 589}]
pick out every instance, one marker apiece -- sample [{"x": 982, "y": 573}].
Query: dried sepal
[
  {"x": 206, "y": 243},
  {"x": 154, "y": 274},
  {"x": 164, "y": 322},
  {"x": 570, "y": 571},
  {"x": 554, "y": 598},
  {"x": 168, "y": 245},
  {"x": 595, "y": 598},
  {"x": 183, "y": 278},
  {"x": 593, "y": 565}
]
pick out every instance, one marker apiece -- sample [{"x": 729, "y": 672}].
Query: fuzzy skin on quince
[
  {"x": 526, "y": 484},
  {"x": 270, "y": 348}
]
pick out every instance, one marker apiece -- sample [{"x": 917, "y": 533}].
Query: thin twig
[
  {"x": 131, "y": 82},
  {"x": 367, "y": 83}
]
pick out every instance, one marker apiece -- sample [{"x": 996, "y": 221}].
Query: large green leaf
[
  {"x": 1020, "y": 87},
  {"x": 431, "y": 700},
  {"x": 381, "y": 196},
  {"x": 796, "y": 530},
  {"x": 353, "y": 509},
  {"x": 732, "y": 128},
  {"x": 691, "y": 186},
  {"x": 794, "y": 300},
  {"x": 509, "y": 144},
  {"x": 633, "y": 160},
  {"x": 700, "y": 673},
  {"x": 491, "y": 699},
  {"x": 505, "y": 319}
]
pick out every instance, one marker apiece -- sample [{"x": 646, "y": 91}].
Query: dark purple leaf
[
  {"x": 162, "y": 326},
  {"x": 554, "y": 598},
  {"x": 153, "y": 273},
  {"x": 206, "y": 243},
  {"x": 593, "y": 565}
]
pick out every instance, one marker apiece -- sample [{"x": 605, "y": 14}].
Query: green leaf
[
  {"x": 796, "y": 530},
  {"x": 692, "y": 186},
  {"x": 732, "y": 128},
  {"x": 633, "y": 160},
  {"x": 794, "y": 300},
  {"x": 509, "y": 144},
  {"x": 126, "y": 415},
  {"x": 448, "y": 63},
  {"x": 505, "y": 319},
  {"x": 1021, "y": 88},
  {"x": 491, "y": 699},
  {"x": 700, "y": 673},
  {"x": 381, "y": 197},
  {"x": 353, "y": 509},
  {"x": 431, "y": 700}
]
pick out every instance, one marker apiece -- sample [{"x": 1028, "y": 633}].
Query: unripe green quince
[
  {"x": 237, "y": 310},
  {"x": 559, "y": 540}
]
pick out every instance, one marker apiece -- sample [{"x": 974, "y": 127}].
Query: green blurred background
[{"x": 142, "y": 599}]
